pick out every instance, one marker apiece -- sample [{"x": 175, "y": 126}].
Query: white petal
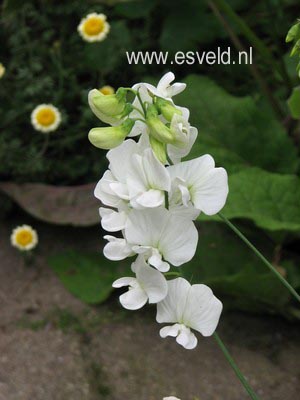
[
  {"x": 156, "y": 174},
  {"x": 165, "y": 82},
  {"x": 112, "y": 221},
  {"x": 210, "y": 193},
  {"x": 116, "y": 249},
  {"x": 144, "y": 227},
  {"x": 120, "y": 190},
  {"x": 152, "y": 198},
  {"x": 171, "y": 309},
  {"x": 126, "y": 281},
  {"x": 171, "y": 398},
  {"x": 156, "y": 261},
  {"x": 176, "y": 88},
  {"x": 169, "y": 331},
  {"x": 189, "y": 212},
  {"x": 103, "y": 191},
  {"x": 178, "y": 240},
  {"x": 202, "y": 311},
  {"x": 120, "y": 159},
  {"x": 151, "y": 280},
  {"x": 139, "y": 128},
  {"x": 177, "y": 153},
  {"x": 134, "y": 299},
  {"x": 187, "y": 339}
]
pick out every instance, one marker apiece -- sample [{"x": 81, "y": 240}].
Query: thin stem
[
  {"x": 259, "y": 255},
  {"x": 141, "y": 102},
  {"x": 253, "y": 67},
  {"x": 236, "y": 369}
]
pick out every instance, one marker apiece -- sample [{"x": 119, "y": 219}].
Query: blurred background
[{"x": 63, "y": 334}]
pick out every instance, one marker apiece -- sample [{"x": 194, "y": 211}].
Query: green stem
[
  {"x": 263, "y": 259},
  {"x": 141, "y": 102},
  {"x": 255, "y": 41},
  {"x": 236, "y": 369}
]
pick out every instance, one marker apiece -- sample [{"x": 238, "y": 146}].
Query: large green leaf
[
  {"x": 272, "y": 201},
  {"x": 236, "y": 275},
  {"x": 235, "y": 130},
  {"x": 87, "y": 276}
]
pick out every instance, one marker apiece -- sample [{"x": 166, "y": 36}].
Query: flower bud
[
  {"x": 166, "y": 108},
  {"x": 157, "y": 128},
  {"x": 293, "y": 33},
  {"x": 108, "y": 138},
  {"x": 159, "y": 149},
  {"x": 108, "y": 106}
]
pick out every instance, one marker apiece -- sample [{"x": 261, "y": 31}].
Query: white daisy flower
[
  {"x": 2, "y": 70},
  {"x": 24, "y": 238},
  {"x": 45, "y": 118},
  {"x": 94, "y": 27}
]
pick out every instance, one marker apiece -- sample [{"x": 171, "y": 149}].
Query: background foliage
[{"x": 47, "y": 61}]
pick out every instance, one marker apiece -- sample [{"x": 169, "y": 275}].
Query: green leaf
[
  {"x": 87, "y": 276},
  {"x": 235, "y": 130},
  {"x": 271, "y": 201},
  {"x": 236, "y": 275},
  {"x": 294, "y": 103}
]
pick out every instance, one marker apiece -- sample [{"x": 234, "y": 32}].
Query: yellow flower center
[
  {"x": 46, "y": 116},
  {"x": 93, "y": 26},
  {"x": 24, "y": 237},
  {"x": 106, "y": 90}
]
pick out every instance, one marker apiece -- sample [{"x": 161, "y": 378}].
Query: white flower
[
  {"x": 200, "y": 183},
  {"x": 159, "y": 234},
  {"x": 135, "y": 178},
  {"x": 2, "y": 70},
  {"x": 171, "y": 398},
  {"x": 188, "y": 307},
  {"x": 185, "y": 136},
  {"x": 94, "y": 27},
  {"x": 149, "y": 285},
  {"x": 45, "y": 118},
  {"x": 24, "y": 238},
  {"x": 164, "y": 88}
]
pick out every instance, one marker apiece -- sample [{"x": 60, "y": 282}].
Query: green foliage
[
  {"x": 271, "y": 201},
  {"x": 87, "y": 276},
  {"x": 238, "y": 131},
  {"x": 294, "y": 103},
  {"x": 224, "y": 263}
]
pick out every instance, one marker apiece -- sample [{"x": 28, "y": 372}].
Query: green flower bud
[
  {"x": 157, "y": 128},
  {"x": 293, "y": 33},
  {"x": 108, "y": 138},
  {"x": 296, "y": 48},
  {"x": 109, "y": 108},
  {"x": 159, "y": 149},
  {"x": 166, "y": 108}
]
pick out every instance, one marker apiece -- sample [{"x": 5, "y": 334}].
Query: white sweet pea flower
[
  {"x": 188, "y": 307},
  {"x": 185, "y": 136},
  {"x": 135, "y": 178},
  {"x": 159, "y": 234},
  {"x": 199, "y": 183},
  {"x": 164, "y": 88},
  {"x": 148, "y": 285}
]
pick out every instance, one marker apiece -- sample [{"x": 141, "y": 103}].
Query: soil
[{"x": 53, "y": 347}]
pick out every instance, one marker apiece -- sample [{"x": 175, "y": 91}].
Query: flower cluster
[{"x": 152, "y": 198}]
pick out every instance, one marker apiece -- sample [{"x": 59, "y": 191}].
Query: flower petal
[
  {"x": 169, "y": 331},
  {"x": 152, "y": 198},
  {"x": 126, "y": 281},
  {"x": 112, "y": 221},
  {"x": 103, "y": 191},
  {"x": 171, "y": 309},
  {"x": 202, "y": 310},
  {"x": 134, "y": 299},
  {"x": 116, "y": 249},
  {"x": 187, "y": 339},
  {"x": 151, "y": 280},
  {"x": 120, "y": 159}
]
